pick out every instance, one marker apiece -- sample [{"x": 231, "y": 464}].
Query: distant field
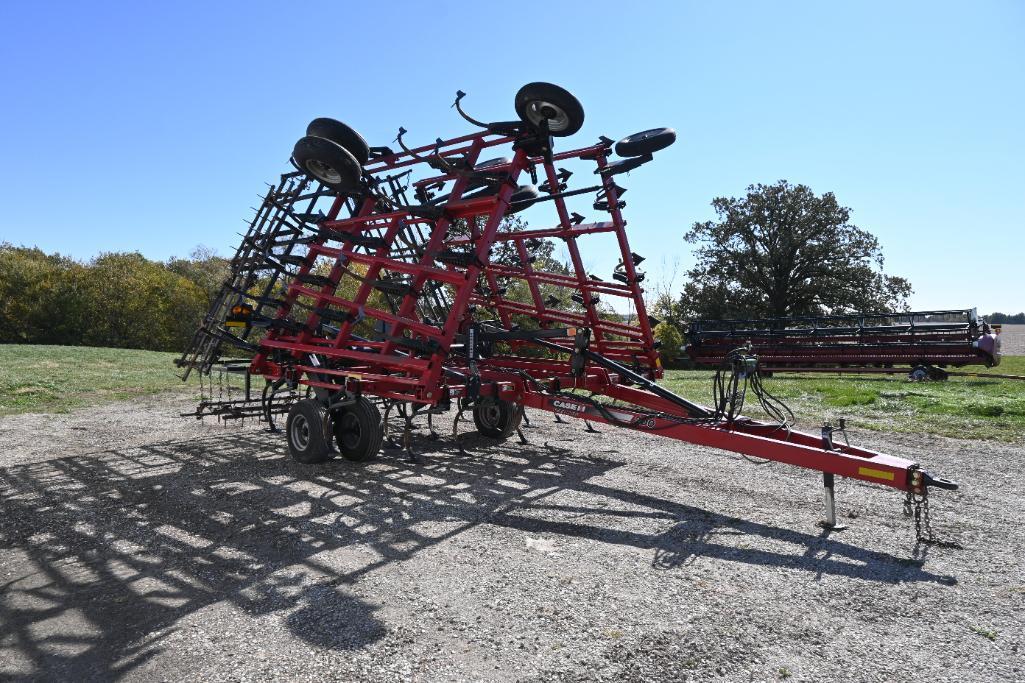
[
  {"x": 1012, "y": 340},
  {"x": 963, "y": 407},
  {"x": 55, "y": 379}
]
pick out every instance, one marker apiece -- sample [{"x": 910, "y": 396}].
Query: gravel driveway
[
  {"x": 138, "y": 545},
  {"x": 1012, "y": 340}
]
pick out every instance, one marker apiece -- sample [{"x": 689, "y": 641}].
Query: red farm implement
[
  {"x": 921, "y": 344},
  {"x": 389, "y": 280}
]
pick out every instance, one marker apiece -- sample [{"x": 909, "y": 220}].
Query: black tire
[
  {"x": 497, "y": 161},
  {"x": 537, "y": 102},
  {"x": 342, "y": 135},
  {"x": 358, "y": 430},
  {"x": 528, "y": 194},
  {"x": 645, "y": 142},
  {"x": 328, "y": 162},
  {"x": 919, "y": 373},
  {"x": 306, "y": 430},
  {"x": 496, "y": 418},
  {"x": 474, "y": 183}
]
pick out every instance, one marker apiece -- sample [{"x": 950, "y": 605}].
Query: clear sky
[{"x": 153, "y": 126}]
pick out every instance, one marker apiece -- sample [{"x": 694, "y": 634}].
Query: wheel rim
[
  {"x": 491, "y": 415},
  {"x": 300, "y": 432},
  {"x": 323, "y": 171},
  {"x": 349, "y": 431},
  {"x": 539, "y": 110}
]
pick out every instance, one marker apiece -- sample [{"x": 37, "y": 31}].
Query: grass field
[
  {"x": 963, "y": 407},
  {"x": 59, "y": 378},
  {"x": 55, "y": 379}
]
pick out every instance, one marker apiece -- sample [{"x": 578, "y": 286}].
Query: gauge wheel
[
  {"x": 342, "y": 135},
  {"x": 645, "y": 142},
  {"x": 496, "y": 418},
  {"x": 328, "y": 162},
  {"x": 523, "y": 198},
  {"x": 537, "y": 103}
]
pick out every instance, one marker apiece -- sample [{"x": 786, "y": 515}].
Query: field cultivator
[
  {"x": 922, "y": 344},
  {"x": 378, "y": 283}
]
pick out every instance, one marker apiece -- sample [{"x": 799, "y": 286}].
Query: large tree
[{"x": 783, "y": 251}]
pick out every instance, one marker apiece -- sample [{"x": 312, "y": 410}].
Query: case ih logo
[{"x": 566, "y": 405}]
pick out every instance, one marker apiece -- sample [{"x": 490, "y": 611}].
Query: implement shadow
[{"x": 105, "y": 553}]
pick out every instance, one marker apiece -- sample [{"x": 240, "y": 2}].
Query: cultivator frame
[{"x": 408, "y": 303}]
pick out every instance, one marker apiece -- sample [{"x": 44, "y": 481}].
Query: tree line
[
  {"x": 120, "y": 299},
  {"x": 1005, "y": 319}
]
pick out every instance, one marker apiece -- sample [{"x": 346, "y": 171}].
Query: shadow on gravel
[{"x": 103, "y": 555}]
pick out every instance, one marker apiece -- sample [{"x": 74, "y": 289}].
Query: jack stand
[
  {"x": 526, "y": 420},
  {"x": 829, "y": 523},
  {"x": 558, "y": 419},
  {"x": 590, "y": 428},
  {"x": 523, "y": 439}
]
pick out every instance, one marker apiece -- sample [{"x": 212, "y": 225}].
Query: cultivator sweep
[
  {"x": 400, "y": 280},
  {"x": 921, "y": 343}
]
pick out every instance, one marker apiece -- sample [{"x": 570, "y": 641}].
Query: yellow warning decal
[{"x": 878, "y": 474}]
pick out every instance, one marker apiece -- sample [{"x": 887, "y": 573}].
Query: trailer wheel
[
  {"x": 342, "y": 135},
  {"x": 496, "y": 418},
  {"x": 328, "y": 162},
  {"x": 358, "y": 430},
  {"x": 919, "y": 373},
  {"x": 540, "y": 102},
  {"x": 645, "y": 142},
  {"x": 306, "y": 432}
]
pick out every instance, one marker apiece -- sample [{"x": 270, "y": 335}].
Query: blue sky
[{"x": 152, "y": 127}]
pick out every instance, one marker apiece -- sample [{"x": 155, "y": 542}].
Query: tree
[
  {"x": 40, "y": 297},
  {"x": 1005, "y": 319},
  {"x": 671, "y": 339},
  {"x": 783, "y": 251},
  {"x": 204, "y": 268},
  {"x": 132, "y": 302}
]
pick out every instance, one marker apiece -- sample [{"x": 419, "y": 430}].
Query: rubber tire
[
  {"x": 560, "y": 97},
  {"x": 313, "y": 149},
  {"x": 342, "y": 135},
  {"x": 475, "y": 183},
  {"x": 500, "y": 425},
  {"x": 366, "y": 418},
  {"x": 645, "y": 142},
  {"x": 497, "y": 161},
  {"x": 522, "y": 193},
  {"x": 317, "y": 448},
  {"x": 919, "y": 373}
]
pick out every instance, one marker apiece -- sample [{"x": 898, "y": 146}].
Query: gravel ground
[
  {"x": 1012, "y": 340},
  {"x": 138, "y": 545}
]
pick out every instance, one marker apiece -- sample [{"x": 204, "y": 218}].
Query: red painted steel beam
[{"x": 753, "y": 439}]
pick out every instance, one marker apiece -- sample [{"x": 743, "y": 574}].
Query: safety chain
[{"x": 917, "y": 505}]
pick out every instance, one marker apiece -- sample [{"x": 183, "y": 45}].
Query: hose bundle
[{"x": 737, "y": 374}]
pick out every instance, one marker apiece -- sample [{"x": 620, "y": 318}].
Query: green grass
[
  {"x": 962, "y": 407},
  {"x": 53, "y": 379},
  {"x": 56, "y": 379}
]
